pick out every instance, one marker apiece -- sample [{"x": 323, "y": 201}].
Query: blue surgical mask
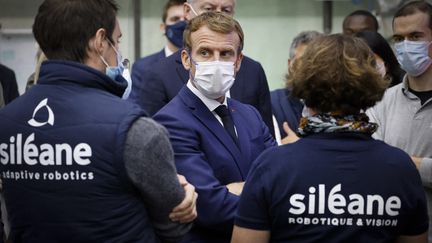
[
  {"x": 174, "y": 33},
  {"x": 119, "y": 72},
  {"x": 413, "y": 56},
  {"x": 110, "y": 71}
]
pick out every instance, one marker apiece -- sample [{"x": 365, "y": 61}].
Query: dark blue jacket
[
  {"x": 286, "y": 109},
  {"x": 334, "y": 187},
  {"x": 9, "y": 84},
  {"x": 165, "y": 79},
  {"x": 209, "y": 159},
  {"x": 141, "y": 66},
  {"x": 62, "y": 165}
]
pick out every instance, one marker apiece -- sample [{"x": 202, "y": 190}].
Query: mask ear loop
[
  {"x": 100, "y": 56},
  {"x": 113, "y": 47},
  {"x": 193, "y": 10},
  {"x": 192, "y": 63},
  {"x": 103, "y": 60}
]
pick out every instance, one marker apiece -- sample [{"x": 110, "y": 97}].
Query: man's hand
[
  {"x": 417, "y": 161},
  {"x": 291, "y": 136},
  {"x": 235, "y": 188},
  {"x": 186, "y": 211}
]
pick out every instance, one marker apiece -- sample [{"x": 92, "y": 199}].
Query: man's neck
[
  {"x": 221, "y": 99},
  {"x": 422, "y": 82},
  {"x": 172, "y": 47}
]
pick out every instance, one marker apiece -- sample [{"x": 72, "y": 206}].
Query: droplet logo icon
[{"x": 42, "y": 104}]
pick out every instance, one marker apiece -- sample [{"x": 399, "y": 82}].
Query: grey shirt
[
  {"x": 405, "y": 123},
  {"x": 149, "y": 162}
]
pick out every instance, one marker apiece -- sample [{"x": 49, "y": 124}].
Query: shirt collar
[
  {"x": 209, "y": 103},
  {"x": 405, "y": 88},
  {"x": 168, "y": 52}
]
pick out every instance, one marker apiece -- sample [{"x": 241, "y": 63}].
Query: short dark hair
[
  {"x": 168, "y": 5},
  {"x": 362, "y": 13},
  {"x": 414, "y": 7},
  {"x": 337, "y": 73},
  {"x": 303, "y": 38},
  {"x": 63, "y": 28},
  {"x": 381, "y": 47},
  {"x": 216, "y": 21}
]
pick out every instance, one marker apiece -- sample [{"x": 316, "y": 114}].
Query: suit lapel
[
  {"x": 292, "y": 111},
  {"x": 243, "y": 136},
  {"x": 161, "y": 54},
  {"x": 206, "y": 117}
]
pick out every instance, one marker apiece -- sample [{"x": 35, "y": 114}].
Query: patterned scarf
[{"x": 330, "y": 122}]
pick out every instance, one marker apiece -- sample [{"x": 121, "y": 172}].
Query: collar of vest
[{"x": 55, "y": 72}]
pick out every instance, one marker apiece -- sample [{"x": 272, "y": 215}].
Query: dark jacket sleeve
[
  {"x": 9, "y": 83},
  {"x": 1, "y": 96}
]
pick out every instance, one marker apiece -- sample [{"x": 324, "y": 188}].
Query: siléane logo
[
  {"x": 50, "y": 120},
  {"x": 22, "y": 150},
  {"x": 336, "y": 208}
]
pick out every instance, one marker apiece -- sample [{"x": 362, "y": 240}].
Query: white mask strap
[{"x": 193, "y": 10}]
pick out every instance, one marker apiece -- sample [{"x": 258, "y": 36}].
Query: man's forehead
[
  {"x": 227, "y": 3},
  {"x": 175, "y": 9},
  {"x": 416, "y": 22},
  {"x": 205, "y": 36},
  {"x": 361, "y": 20}
]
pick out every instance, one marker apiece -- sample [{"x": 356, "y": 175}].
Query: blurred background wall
[{"x": 269, "y": 27}]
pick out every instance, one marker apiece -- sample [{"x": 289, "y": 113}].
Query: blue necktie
[{"x": 223, "y": 112}]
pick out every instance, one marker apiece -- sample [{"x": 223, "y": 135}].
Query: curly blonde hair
[{"x": 337, "y": 73}]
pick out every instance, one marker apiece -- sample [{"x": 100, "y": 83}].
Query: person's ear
[
  {"x": 186, "y": 61},
  {"x": 162, "y": 28},
  {"x": 99, "y": 41},
  {"x": 238, "y": 62},
  {"x": 187, "y": 11}
]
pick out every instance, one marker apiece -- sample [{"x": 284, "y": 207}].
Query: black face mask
[{"x": 174, "y": 33}]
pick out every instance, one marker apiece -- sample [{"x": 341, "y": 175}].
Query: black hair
[
  {"x": 414, "y": 7},
  {"x": 168, "y": 5},
  {"x": 381, "y": 47},
  {"x": 63, "y": 28},
  {"x": 362, "y": 13}
]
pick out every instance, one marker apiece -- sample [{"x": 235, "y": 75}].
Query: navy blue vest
[{"x": 61, "y": 160}]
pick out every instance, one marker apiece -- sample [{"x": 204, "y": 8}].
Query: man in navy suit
[
  {"x": 9, "y": 83},
  {"x": 215, "y": 138},
  {"x": 285, "y": 107},
  {"x": 168, "y": 76},
  {"x": 172, "y": 27}
]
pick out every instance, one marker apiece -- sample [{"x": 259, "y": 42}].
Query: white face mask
[
  {"x": 127, "y": 76},
  {"x": 306, "y": 112},
  {"x": 213, "y": 79}
]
